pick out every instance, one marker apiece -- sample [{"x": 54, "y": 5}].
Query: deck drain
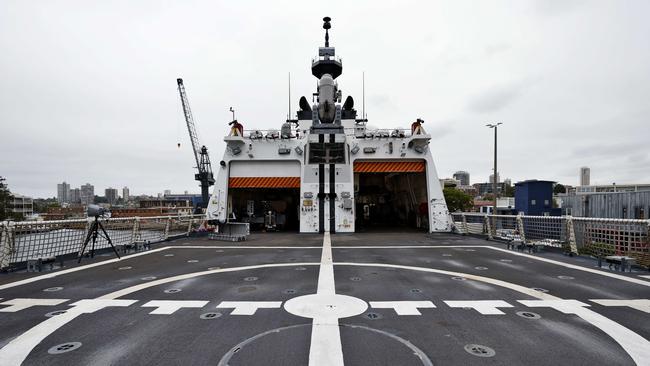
[
  {"x": 416, "y": 290},
  {"x": 565, "y": 277},
  {"x": 292, "y": 259},
  {"x": 53, "y": 289},
  {"x": 373, "y": 316},
  {"x": 446, "y": 255},
  {"x": 480, "y": 268},
  {"x": 169, "y": 255},
  {"x": 149, "y": 278},
  {"x": 539, "y": 289},
  {"x": 172, "y": 290},
  {"x": 213, "y": 268},
  {"x": 470, "y": 250},
  {"x": 124, "y": 268},
  {"x": 219, "y": 250},
  {"x": 64, "y": 347},
  {"x": 456, "y": 278},
  {"x": 505, "y": 260},
  {"x": 355, "y": 279},
  {"x": 289, "y": 291},
  {"x": 301, "y": 269},
  {"x": 479, "y": 350},
  {"x": 55, "y": 313},
  {"x": 192, "y": 261},
  {"x": 210, "y": 315},
  {"x": 528, "y": 315},
  {"x": 250, "y": 279}
]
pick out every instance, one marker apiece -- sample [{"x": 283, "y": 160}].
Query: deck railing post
[
  {"x": 5, "y": 245},
  {"x": 135, "y": 232},
  {"x": 571, "y": 235},
  {"x": 488, "y": 227},
  {"x": 520, "y": 228},
  {"x": 167, "y": 226},
  {"x": 465, "y": 228},
  {"x": 189, "y": 225}
]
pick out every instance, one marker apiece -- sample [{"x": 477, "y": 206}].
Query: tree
[
  {"x": 5, "y": 200},
  {"x": 457, "y": 200},
  {"x": 559, "y": 188}
]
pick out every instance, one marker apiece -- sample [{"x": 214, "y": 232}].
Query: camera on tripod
[{"x": 94, "y": 231}]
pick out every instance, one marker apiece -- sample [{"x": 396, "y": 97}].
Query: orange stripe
[
  {"x": 389, "y": 167},
  {"x": 264, "y": 182}
]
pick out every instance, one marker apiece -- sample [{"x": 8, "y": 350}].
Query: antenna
[
  {"x": 233, "y": 113},
  {"x": 363, "y": 86},
  {"x": 289, "y": 116}
]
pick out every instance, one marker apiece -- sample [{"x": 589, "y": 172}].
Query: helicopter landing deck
[{"x": 309, "y": 299}]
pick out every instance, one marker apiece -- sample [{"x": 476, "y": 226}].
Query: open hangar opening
[
  {"x": 265, "y": 194},
  {"x": 390, "y": 194}
]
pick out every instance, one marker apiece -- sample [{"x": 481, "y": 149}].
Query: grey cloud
[{"x": 496, "y": 98}]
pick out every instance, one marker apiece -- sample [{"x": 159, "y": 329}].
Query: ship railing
[
  {"x": 38, "y": 241},
  {"x": 271, "y": 134},
  {"x": 598, "y": 237}
]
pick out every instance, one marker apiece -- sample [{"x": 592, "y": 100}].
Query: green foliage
[
  {"x": 457, "y": 200},
  {"x": 510, "y": 190},
  {"x": 559, "y": 188}
]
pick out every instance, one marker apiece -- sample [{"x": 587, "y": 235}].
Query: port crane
[{"x": 204, "y": 176}]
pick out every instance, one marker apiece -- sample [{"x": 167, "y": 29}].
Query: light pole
[{"x": 494, "y": 176}]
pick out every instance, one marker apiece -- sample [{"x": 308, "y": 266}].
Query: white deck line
[
  {"x": 573, "y": 266},
  {"x": 326, "y": 348},
  {"x": 75, "y": 269}
]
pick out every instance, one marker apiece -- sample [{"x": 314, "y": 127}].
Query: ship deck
[{"x": 400, "y": 299}]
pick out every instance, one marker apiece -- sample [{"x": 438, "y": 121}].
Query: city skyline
[{"x": 569, "y": 93}]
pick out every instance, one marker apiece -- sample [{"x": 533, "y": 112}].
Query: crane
[{"x": 204, "y": 175}]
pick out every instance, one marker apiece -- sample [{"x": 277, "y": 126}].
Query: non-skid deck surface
[{"x": 353, "y": 299}]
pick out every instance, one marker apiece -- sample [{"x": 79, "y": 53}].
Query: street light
[{"x": 494, "y": 176}]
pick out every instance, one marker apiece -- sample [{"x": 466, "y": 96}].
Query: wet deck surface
[{"x": 412, "y": 286}]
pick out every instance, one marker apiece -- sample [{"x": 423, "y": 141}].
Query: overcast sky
[{"x": 88, "y": 90}]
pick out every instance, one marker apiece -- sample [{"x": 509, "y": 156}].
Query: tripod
[{"x": 93, "y": 232}]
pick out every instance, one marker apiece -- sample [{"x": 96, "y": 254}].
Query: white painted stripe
[
  {"x": 645, "y": 276},
  {"x": 333, "y": 247},
  {"x": 236, "y": 247},
  {"x": 162, "y": 281},
  {"x": 16, "y": 351},
  {"x": 636, "y": 346},
  {"x": 573, "y": 266},
  {"x": 492, "y": 281},
  {"x": 403, "y": 307},
  {"x": 325, "y": 348},
  {"x": 76, "y": 269},
  {"x": 248, "y": 307},
  {"x": 22, "y": 303},
  {"x": 638, "y": 304},
  {"x": 485, "y": 307},
  {"x": 167, "y": 307}
]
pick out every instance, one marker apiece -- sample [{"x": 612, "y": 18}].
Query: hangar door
[
  {"x": 265, "y": 194},
  {"x": 390, "y": 194}
]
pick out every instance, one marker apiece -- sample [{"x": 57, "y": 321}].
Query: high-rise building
[
  {"x": 168, "y": 192},
  {"x": 63, "y": 192},
  {"x": 125, "y": 194},
  {"x": 492, "y": 178},
  {"x": 585, "y": 172},
  {"x": 111, "y": 195},
  {"x": 75, "y": 195},
  {"x": 87, "y": 194},
  {"x": 462, "y": 177}
]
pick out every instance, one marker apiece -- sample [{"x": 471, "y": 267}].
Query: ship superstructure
[{"x": 327, "y": 171}]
